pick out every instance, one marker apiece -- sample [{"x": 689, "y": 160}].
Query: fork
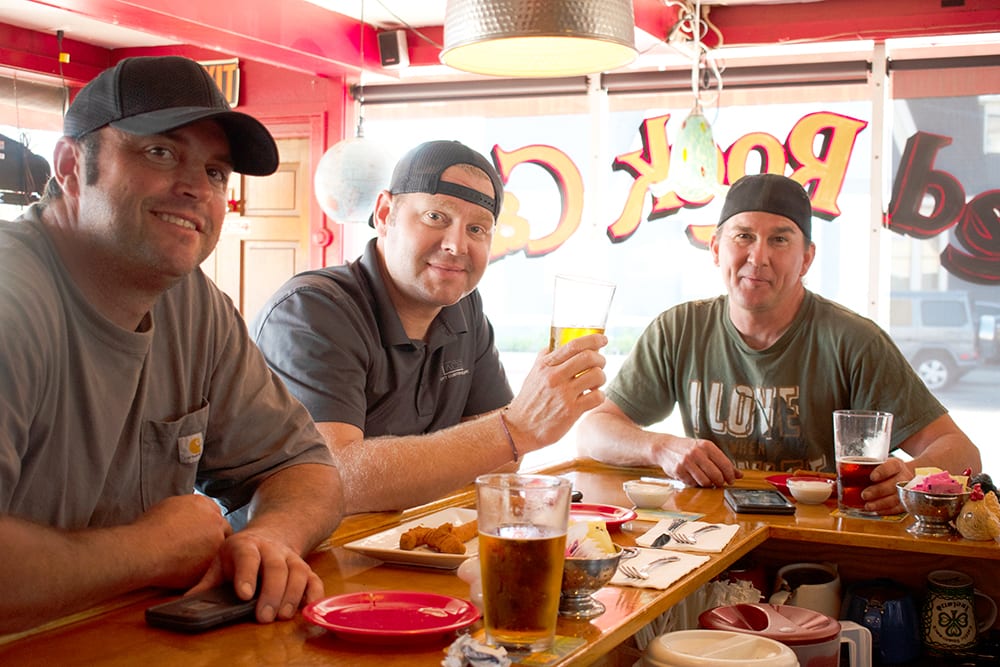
[
  {"x": 693, "y": 537},
  {"x": 643, "y": 572}
]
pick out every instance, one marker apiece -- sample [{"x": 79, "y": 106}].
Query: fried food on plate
[{"x": 446, "y": 538}]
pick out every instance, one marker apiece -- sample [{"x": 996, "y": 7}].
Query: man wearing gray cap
[
  {"x": 394, "y": 357},
  {"x": 129, "y": 380},
  {"x": 758, "y": 372}
]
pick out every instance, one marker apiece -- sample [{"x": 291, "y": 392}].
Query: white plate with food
[{"x": 386, "y": 545}]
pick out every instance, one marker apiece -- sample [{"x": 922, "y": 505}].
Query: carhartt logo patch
[{"x": 189, "y": 447}]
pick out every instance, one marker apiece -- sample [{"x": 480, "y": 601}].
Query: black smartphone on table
[
  {"x": 202, "y": 611},
  {"x": 757, "y": 501}
]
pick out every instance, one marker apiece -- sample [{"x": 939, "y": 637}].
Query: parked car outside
[
  {"x": 937, "y": 333},
  {"x": 987, "y": 316}
]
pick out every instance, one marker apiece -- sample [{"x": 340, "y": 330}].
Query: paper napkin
[
  {"x": 660, "y": 576},
  {"x": 711, "y": 542}
]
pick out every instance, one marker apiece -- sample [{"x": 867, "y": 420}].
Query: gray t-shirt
[
  {"x": 770, "y": 409},
  {"x": 97, "y": 423},
  {"x": 334, "y": 337}
]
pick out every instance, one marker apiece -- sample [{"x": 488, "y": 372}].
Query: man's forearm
[
  {"x": 391, "y": 473},
  {"x": 47, "y": 573},
  {"x": 953, "y": 452},
  {"x": 942, "y": 444},
  {"x": 299, "y": 506},
  {"x": 613, "y": 440}
]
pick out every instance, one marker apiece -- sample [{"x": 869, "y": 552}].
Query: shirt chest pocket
[{"x": 171, "y": 452}]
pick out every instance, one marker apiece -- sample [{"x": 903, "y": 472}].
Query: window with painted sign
[{"x": 582, "y": 174}]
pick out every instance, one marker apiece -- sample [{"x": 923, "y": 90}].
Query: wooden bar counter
[{"x": 116, "y": 634}]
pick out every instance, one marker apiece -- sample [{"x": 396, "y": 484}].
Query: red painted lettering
[{"x": 917, "y": 178}]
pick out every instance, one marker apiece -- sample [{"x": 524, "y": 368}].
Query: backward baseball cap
[
  {"x": 154, "y": 94},
  {"x": 421, "y": 168}
]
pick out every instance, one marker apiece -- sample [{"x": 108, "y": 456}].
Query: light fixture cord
[
  {"x": 360, "y": 97},
  {"x": 696, "y": 64}
]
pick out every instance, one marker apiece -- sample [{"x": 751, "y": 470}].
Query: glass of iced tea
[
  {"x": 861, "y": 444},
  {"x": 579, "y": 307},
  {"x": 522, "y": 544}
]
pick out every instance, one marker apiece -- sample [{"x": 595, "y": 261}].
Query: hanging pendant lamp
[
  {"x": 352, "y": 172},
  {"x": 693, "y": 174},
  {"x": 538, "y": 38}
]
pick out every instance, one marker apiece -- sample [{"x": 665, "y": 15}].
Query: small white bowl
[
  {"x": 810, "y": 491},
  {"x": 647, "y": 495}
]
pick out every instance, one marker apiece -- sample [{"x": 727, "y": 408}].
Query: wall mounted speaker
[{"x": 392, "y": 49}]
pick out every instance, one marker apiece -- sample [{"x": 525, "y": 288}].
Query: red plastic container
[{"x": 814, "y": 637}]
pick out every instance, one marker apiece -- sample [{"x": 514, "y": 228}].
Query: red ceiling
[{"x": 297, "y": 35}]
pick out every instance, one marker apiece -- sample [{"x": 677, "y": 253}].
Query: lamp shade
[
  {"x": 538, "y": 38},
  {"x": 694, "y": 162}
]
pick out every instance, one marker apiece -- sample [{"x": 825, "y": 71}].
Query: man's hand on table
[
  {"x": 882, "y": 496},
  {"x": 249, "y": 559},
  {"x": 696, "y": 462}
]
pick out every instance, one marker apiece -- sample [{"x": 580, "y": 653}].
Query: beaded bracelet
[{"x": 510, "y": 440}]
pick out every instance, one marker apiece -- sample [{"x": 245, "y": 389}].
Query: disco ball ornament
[{"x": 349, "y": 177}]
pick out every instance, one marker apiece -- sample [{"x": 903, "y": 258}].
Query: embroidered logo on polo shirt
[
  {"x": 452, "y": 369},
  {"x": 190, "y": 447}
]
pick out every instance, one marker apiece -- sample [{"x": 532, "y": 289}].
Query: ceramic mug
[
  {"x": 887, "y": 609},
  {"x": 813, "y": 586},
  {"x": 948, "y": 620}
]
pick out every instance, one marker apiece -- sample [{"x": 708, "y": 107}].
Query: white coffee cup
[{"x": 813, "y": 586}]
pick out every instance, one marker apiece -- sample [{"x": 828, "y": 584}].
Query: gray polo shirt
[{"x": 334, "y": 337}]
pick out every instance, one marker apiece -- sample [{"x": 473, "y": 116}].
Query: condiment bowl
[
  {"x": 582, "y": 577},
  {"x": 810, "y": 490},
  {"x": 647, "y": 495},
  {"x": 933, "y": 512}
]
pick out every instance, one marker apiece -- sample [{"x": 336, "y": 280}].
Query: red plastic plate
[{"x": 391, "y": 615}]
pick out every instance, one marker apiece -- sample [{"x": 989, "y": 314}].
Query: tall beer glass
[{"x": 522, "y": 543}]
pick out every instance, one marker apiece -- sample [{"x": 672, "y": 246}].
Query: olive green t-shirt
[{"x": 770, "y": 409}]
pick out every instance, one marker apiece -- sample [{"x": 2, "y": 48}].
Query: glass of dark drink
[
  {"x": 861, "y": 443},
  {"x": 522, "y": 545}
]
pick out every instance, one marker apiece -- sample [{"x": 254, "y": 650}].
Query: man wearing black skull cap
[
  {"x": 759, "y": 371},
  {"x": 394, "y": 357},
  {"x": 129, "y": 379}
]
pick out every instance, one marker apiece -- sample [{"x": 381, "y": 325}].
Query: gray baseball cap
[
  {"x": 154, "y": 94},
  {"x": 421, "y": 168}
]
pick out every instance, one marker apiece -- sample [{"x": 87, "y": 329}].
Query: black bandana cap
[{"x": 770, "y": 193}]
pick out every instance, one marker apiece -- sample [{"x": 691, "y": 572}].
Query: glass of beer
[
  {"x": 861, "y": 444},
  {"x": 522, "y": 544},
  {"x": 579, "y": 307}
]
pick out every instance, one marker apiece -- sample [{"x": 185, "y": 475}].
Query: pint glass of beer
[
  {"x": 579, "y": 307},
  {"x": 861, "y": 444},
  {"x": 522, "y": 543}
]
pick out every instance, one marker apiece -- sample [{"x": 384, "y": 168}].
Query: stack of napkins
[
  {"x": 710, "y": 542},
  {"x": 660, "y": 576}
]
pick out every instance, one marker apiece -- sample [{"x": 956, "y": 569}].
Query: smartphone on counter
[
  {"x": 203, "y": 611},
  {"x": 757, "y": 501}
]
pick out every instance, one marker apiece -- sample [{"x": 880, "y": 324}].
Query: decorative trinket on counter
[{"x": 979, "y": 518}]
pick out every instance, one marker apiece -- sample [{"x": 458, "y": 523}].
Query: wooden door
[{"x": 268, "y": 242}]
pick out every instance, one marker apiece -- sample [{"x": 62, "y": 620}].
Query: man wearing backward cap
[
  {"x": 759, "y": 371},
  {"x": 394, "y": 357}
]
